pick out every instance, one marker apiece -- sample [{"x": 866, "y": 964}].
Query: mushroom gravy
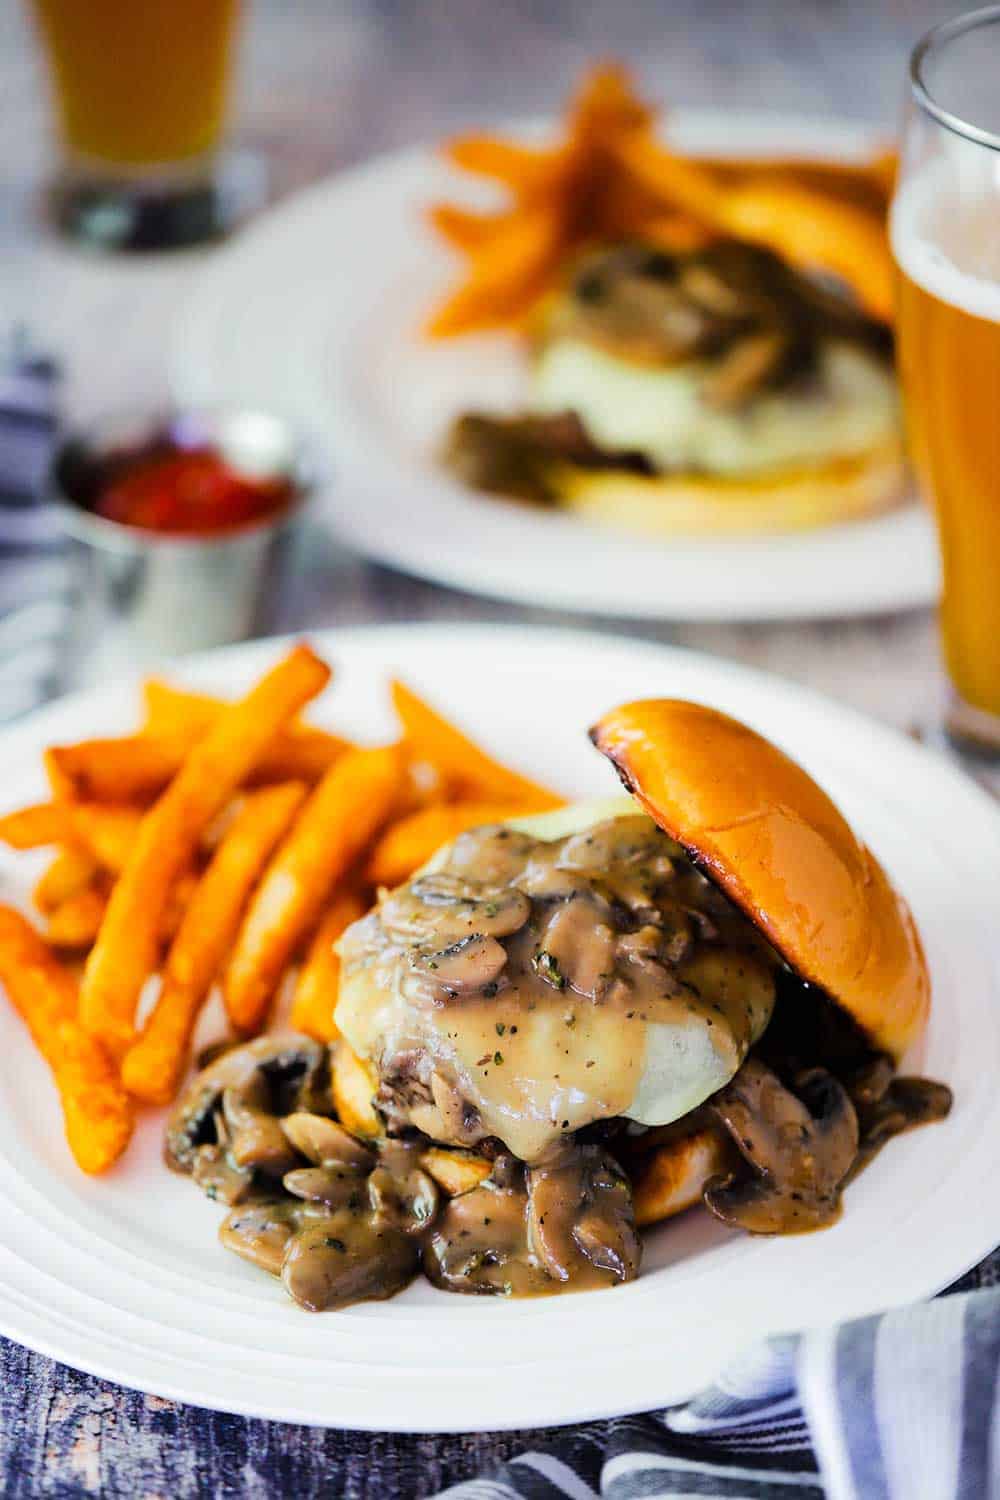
[
  {"x": 342, "y": 1220},
  {"x": 521, "y": 988}
]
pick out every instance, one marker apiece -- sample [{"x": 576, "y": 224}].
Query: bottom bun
[{"x": 842, "y": 489}]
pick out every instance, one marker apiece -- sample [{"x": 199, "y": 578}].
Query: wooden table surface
[{"x": 322, "y": 84}]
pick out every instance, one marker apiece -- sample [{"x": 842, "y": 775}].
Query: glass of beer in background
[
  {"x": 945, "y": 228},
  {"x": 141, "y": 89}
]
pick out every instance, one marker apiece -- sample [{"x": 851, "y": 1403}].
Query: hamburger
[
  {"x": 567, "y": 1027},
  {"x": 708, "y": 390},
  {"x": 700, "y": 989}
]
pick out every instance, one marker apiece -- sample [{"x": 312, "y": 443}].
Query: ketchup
[{"x": 191, "y": 491}]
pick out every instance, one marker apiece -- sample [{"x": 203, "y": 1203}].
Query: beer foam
[{"x": 944, "y": 237}]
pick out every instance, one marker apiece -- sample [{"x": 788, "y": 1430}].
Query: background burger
[{"x": 714, "y": 389}]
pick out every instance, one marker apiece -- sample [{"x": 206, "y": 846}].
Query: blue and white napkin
[
  {"x": 902, "y": 1406},
  {"x": 36, "y": 577}
]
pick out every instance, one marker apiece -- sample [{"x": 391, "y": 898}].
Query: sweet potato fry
[
  {"x": 301, "y": 752},
  {"x": 75, "y": 922},
  {"x": 526, "y": 170},
  {"x": 177, "y": 903},
  {"x": 96, "y": 1109},
  {"x": 869, "y": 184},
  {"x": 125, "y": 952},
  {"x": 465, "y": 229},
  {"x": 506, "y": 276},
  {"x": 409, "y": 843},
  {"x": 34, "y": 827},
  {"x": 63, "y": 788},
  {"x": 107, "y": 830},
  {"x": 341, "y": 817},
  {"x": 353, "y": 1083},
  {"x": 316, "y": 987},
  {"x": 676, "y": 182},
  {"x": 131, "y": 768},
  {"x": 606, "y": 104},
  {"x": 469, "y": 772},
  {"x": 171, "y": 710},
  {"x": 70, "y": 872},
  {"x": 137, "y": 767},
  {"x": 152, "y": 1067},
  {"x": 562, "y": 198}
]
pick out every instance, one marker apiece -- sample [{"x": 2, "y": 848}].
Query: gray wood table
[{"x": 322, "y": 84}]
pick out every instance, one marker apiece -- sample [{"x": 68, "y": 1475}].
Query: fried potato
[
  {"x": 153, "y": 1065},
  {"x": 178, "y": 900},
  {"x": 96, "y": 1109},
  {"x": 507, "y": 274},
  {"x": 456, "y": 1171},
  {"x": 670, "y": 1177},
  {"x": 527, "y": 170},
  {"x": 125, "y": 952},
  {"x": 75, "y": 922},
  {"x": 109, "y": 831},
  {"x": 300, "y": 752},
  {"x": 353, "y": 1083},
  {"x": 71, "y": 871},
  {"x": 34, "y": 827},
  {"x": 465, "y": 229},
  {"x": 869, "y": 184},
  {"x": 172, "y": 710},
  {"x": 341, "y": 817},
  {"x": 130, "y": 768},
  {"x": 316, "y": 987},
  {"x": 136, "y": 768},
  {"x": 468, "y": 772},
  {"x": 411, "y": 841}
]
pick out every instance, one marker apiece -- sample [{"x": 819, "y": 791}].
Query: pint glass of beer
[
  {"x": 945, "y": 228},
  {"x": 140, "y": 89}
]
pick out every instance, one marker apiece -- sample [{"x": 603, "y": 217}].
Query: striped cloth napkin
[
  {"x": 36, "y": 578},
  {"x": 901, "y": 1406}
]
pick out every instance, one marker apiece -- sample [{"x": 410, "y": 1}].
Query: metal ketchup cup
[{"x": 148, "y": 595}]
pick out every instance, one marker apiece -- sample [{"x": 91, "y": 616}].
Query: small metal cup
[{"x": 145, "y": 595}]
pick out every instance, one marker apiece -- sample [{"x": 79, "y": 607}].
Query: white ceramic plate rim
[
  {"x": 276, "y": 319},
  {"x": 80, "y": 1289}
]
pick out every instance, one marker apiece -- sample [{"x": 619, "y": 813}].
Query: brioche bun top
[{"x": 779, "y": 848}]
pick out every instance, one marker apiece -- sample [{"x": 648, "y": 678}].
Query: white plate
[
  {"x": 123, "y": 1275},
  {"x": 316, "y": 310}
]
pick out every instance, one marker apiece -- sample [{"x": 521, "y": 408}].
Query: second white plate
[{"x": 317, "y": 310}]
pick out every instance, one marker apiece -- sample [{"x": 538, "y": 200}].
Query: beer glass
[
  {"x": 140, "y": 88},
  {"x": 945, "y": 230}
]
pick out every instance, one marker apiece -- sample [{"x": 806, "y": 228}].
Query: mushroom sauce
[
  {"x": 523, "y": 988},
  {"x": 510, "y": 997}
]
